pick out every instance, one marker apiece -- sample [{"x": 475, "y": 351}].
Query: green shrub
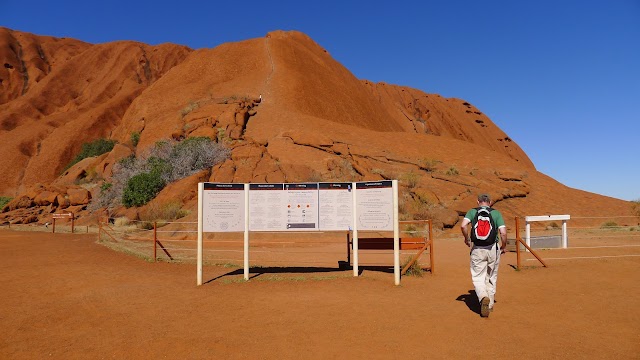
[
  {"x": 411, "y": 179},
  {"x": 165, "y": 211},
  {"x": 553, "y": 225},
  {"x": 158, "y": 165},
  {"x": 411, "y": 230},
  {"x": 414, "y": 269},
  {"x": 105, "y": 187},
  {"x": 95, "y": 148},
  {"x": 142, "y": 188},
  {"x": 222, "y": 135},
  {"x": 428, "y": 165},
  {"x": 135, "y": 138},
  {"x": 189, "y": 108},
  {"x": 609, "y": 224},
  {"x": 4, "y": 201},
  {"x": 453, "y": 171},
  {"x": 121, "y": 221}
]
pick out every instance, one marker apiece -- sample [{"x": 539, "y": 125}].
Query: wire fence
[{"x": 177, "y": 242}]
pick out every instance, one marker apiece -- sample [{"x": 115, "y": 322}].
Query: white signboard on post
[
  {"x": 304, "y": 206},
  {"x": 223, "y": 207},
  {"x": 374, "y": 205},
  {"x": 336, "y": 206}
]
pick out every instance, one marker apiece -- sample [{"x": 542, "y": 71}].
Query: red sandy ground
[{"x": 65, "y": 297}]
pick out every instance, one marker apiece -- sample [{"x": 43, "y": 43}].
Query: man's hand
[
  {"x": 503, "y": 239},
  {"x": 465, "y": 231}
]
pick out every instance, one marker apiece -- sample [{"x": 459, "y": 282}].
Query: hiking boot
[{"x": 484, "y": 307}]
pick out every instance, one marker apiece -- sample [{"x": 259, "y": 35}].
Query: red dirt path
[{"x": 65, "y": 297}]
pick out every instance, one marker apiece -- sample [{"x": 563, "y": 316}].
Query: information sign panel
[
  {"x": 302, "y": 206},
  {"x": 374, "y": 205},
  {"x": 223, "y": 207},
  {"x": 267, "y": 207},
  {"x": 336, "y": 206}
]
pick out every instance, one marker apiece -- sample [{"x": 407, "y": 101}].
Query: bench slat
[{"x": 414, "y": 243}]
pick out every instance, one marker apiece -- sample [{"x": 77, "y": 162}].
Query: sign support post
[
  {"x": 200, "y": 225},
  {"x": 246, "y": 231},
  {"x": 355, "y": 230},
  {"x": 396, "y": 234}
]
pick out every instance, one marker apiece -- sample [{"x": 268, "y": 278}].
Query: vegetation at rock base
[
  {"x": 414, "y": 270},
  {"x": 609, "y": 225},
  {"x": 137, "y": 180},
  {"x": 94, "y": 148},
  {"x": 4, "y": 201},
  {"x": 161, "y": 213}
]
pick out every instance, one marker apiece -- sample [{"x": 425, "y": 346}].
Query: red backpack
[{"x": 483, "y": 228}]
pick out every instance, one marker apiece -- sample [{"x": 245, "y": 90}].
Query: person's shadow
[{"x": 471, "y": 300}]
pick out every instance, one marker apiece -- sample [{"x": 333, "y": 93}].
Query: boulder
[
  {"x": 426, "y": 196},
  {"x": 447, "y": 217},
  {"x": 21, "y": 202},
  {"x": 45, "y": 198},
  {"x": 104, "y": 168},
  {"x": 79, "y": 196},
  {"x": 63, "y": 201},
  {"x": 34, "y": 190},
  {"x": 223, "y": 172}
]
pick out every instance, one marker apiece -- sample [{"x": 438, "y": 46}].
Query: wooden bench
[{"x": 386, "y": 243}]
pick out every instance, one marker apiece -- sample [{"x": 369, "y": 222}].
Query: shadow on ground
[
  {"x": 255, "y": 272},
  {"x": 471, "y": 300}
]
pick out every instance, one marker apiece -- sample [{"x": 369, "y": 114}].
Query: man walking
[{"x": 486, "y": 223}]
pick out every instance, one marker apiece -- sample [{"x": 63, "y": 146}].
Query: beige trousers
[{"x": 484, "y": 271}]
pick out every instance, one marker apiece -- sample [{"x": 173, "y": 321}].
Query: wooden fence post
[
  {"x": 155, "y": 241},
  {"x": 517, "y": 243},
  {"x": 431, "y": 255}
]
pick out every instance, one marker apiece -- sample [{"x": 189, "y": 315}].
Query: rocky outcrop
[
  {"x": 81, "y": 94},
  {"x": 285, "y": 108},
  {"x": 40, "y": 201}
]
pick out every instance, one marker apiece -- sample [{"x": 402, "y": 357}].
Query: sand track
[{"x": 66, "y": 297}]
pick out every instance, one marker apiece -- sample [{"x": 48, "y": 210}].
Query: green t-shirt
[{"x": 495, "y": 214}]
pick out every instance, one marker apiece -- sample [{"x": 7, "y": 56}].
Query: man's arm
[
  {"x": 503, "y": 238},
  {"x": 465, "y": 231}
]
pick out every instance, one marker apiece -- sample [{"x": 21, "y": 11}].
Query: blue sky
[{"x": 561, "y": 78}]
